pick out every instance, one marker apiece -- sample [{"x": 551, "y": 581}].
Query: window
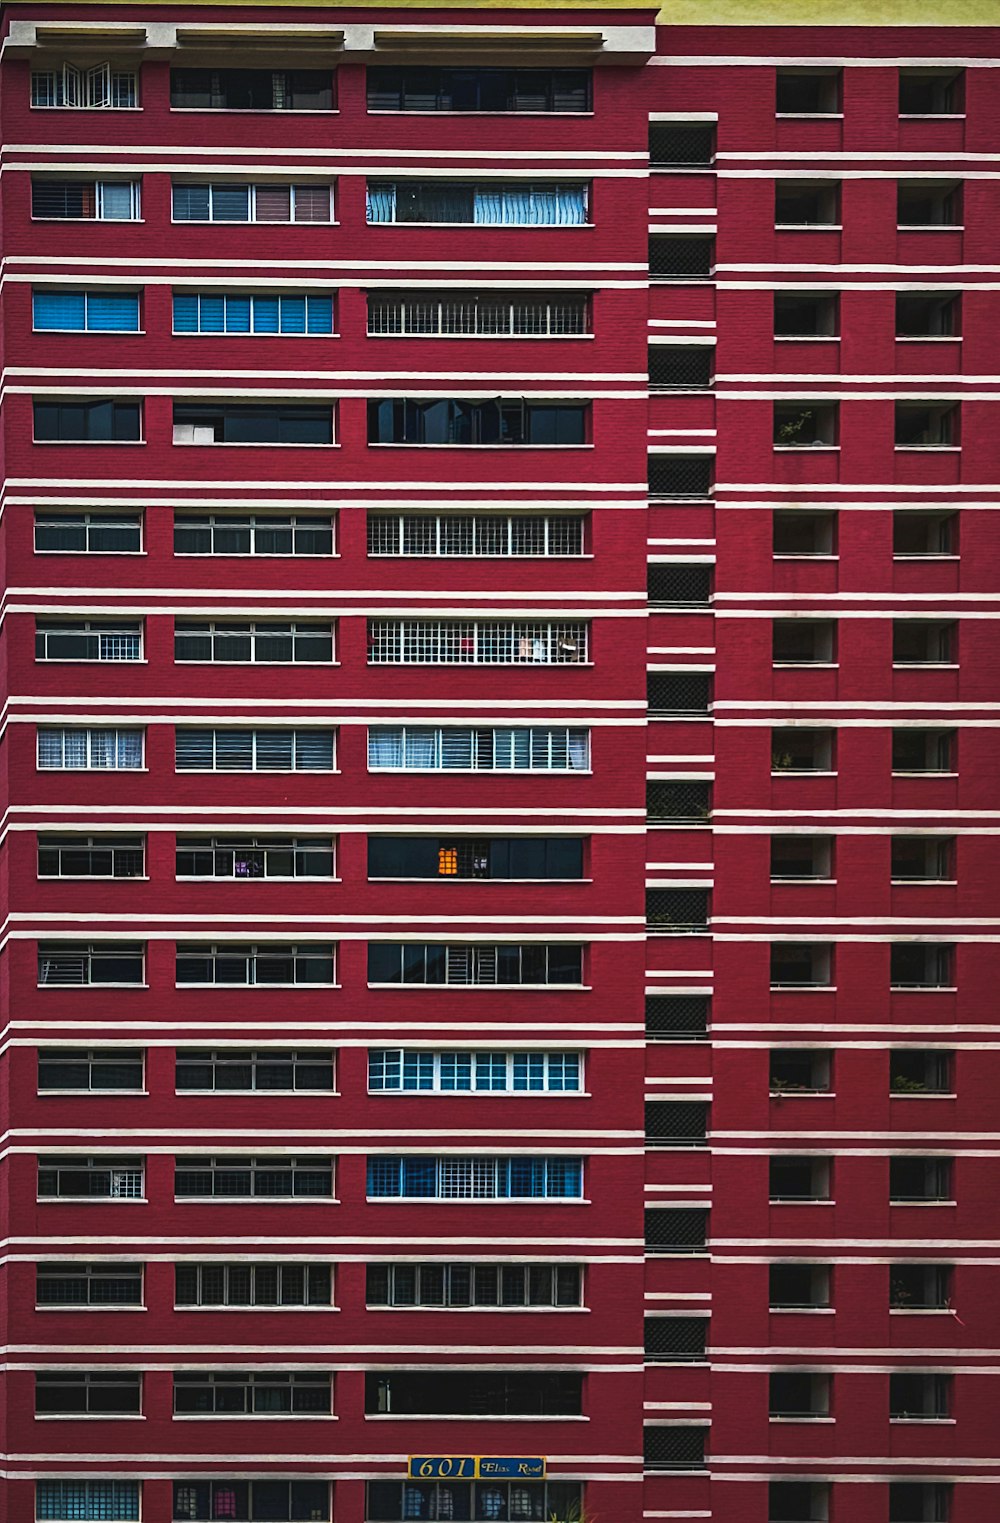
[
  {"x": 253, "y": 423},
  {"x": 798, "y": 1502},
  {"x": 919, "y": 1502},
  {"x": 918, "y": 1397},
  {"x": 798, "y": 1394},
  {"x": 81, "y": 1178},
  {"x": 249, "y": 1285},
  {"x": 681, "y": 145},
  {"x": 921, "y": 965},
  {"x": 100, "y": 962},
  {"x": 799, "y": 1179},
  {"x": 922, "y": 859},
  {"x": 803, "y": 642},
  {"x": 215, "y": 312},
  {"x": 800, "y": 533},
  {"x": 244, "y": 1178},
  {"x": 474, "y": 1393},
  {"x": 924, "y": 642},
  {"x": 87, "y": 1499},
  {"x": 254, "y": 750},
  {"x": 227, "y": 641},
  {"x": 476, "y": 642},
  {"x": 685, "y": 802},
  {"x": 795, "y": 857},
  {"x": 241, "y": 1070},
  {"x": 517, "y": 857},
  {"x": 413, "y": 534},
  {"x": 800, "y": 1071},
  {"x": 252, "y": 534},
  {"x": 416, "y": 748},
  {"x": 240, "y": 1393},
  {"x": 806, "y": 314},
  {"x": 77, "y": 311},
  {"x": 87, "y": 1393},
  {"x": 931, "y": 92},
  {"x": 503, "y": 1286},
  {"x": 90, "y": 1070},
  {"x": 670, "y": 1446},
  {"x": 103, "y": 1285},
  {"x": 918, "y": 1180},
  {"x": 255, "y": 857},
  {"x": 674, "y": 1340},
  {"x": 915, "y": 1071},
  {"x": 676, "y": 1231},
  {"x": 927, "y": 425},
  {"x": 495, "y": 421},
  {"x": 929, "y": 203},
  {"x": 91, "y": 856},
  {"x": 680, "y": 476},
  {"x": 76, "y": 200},
  {"x": 493, "y": 204},
  {"x": 89, "y": 640},
  {"x": 272, "y": 1501},
  {"x": 676, "y": 1017},
  {"x": 392, "y": 962},
  {"x": 805, "y": 425},
  {"x": 251, "y": 89},
  {"x": 474, "y": 314},
  {"x": 533, "y": 91},
  {"x": 418, "y": 1177},
  {"x": 681, "y": 256},
  {"x": 677, "y": 911},
  {"x": 808, "y": 92},
  {"x": 927, "y": 535},
  {"x": 403, "y": 1501},
  {"x": 798, "y": 1287},
  {"x": 678, "y": 692},
  {"x": 801, "y": 965},
  {"x": 88, "y": 533},
  {"x": 230, "y": 201},
  {"x": 923, "y": 751},
  {"x": 277, "y": 963},
  {"x": 805, "y": 750},
  {"x": 395, "y": 1069},
  {"x": 807, "y": 203},
  {"x": 676, "y": 1123},
  {"x": 927, "y": 315},
  {"x": 680, "y": 367},
  {"x": 920, "y": 1287},
  {"x": 97, "y": 87},
  {"x": 101, "y": 422},
  {"x": 678, "y": 584}
]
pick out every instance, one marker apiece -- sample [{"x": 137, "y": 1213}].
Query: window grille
[
  {"x": 250, "y": 1285},
  {"x": 253, "y": 534},
  {"x": 494, "y": 204},
  {"x": 88, "y": 533},
  {"x": 275, "y": 963},
  {"x": 398, "y": 1069},
  {"x": 271, "y": 1501},
  {"x": 99, "y": 87},
  {"x": 203, "y": 1177},
  {"x": 676, "y": 1123},
  {"x": 230, "y": 312},
  {"x": 680, "y": 367},
  {"x": 99, "y": 1500},
  {"x": 254, "y": 750},
  {"x": 677, "y": 909},
  {"x": 83, "y": 1070},
  {"x": 679, "y": 692},
  {"x": 680, "y": 1231},
  {"x": 87, "y": 641},
  {"x": 478, "y": 314},
  {"x": 416, "y": 748},
  {"x": 90, "y": 1178},
  {"x": 229, "y": 201},
  {"x": 683, "y": 802},
  {"x": 88, "y": 1285},
  {"x": 678, "y": 584},
  {"x": 683, "y": 145},
  {"x": 673, "y": 1339},
  {"x": 249, "y": 860},
  {"x": 270, "y": 1070},
  {"x": 73, "y": 200},
  {"x": 488, "y": 1285},
  {"x": 226, "y": 642},
  {"x": 61, "y": 962},
  {"x": 681, "y": 257},
  {"x": 677, "y": 1017},
  {"x": 521, "y": 1501},
  {"x": 475, "y": 642},
  {"x": 503, "y": 963},
  {"x": 666, "y": 1447},
  {"x": 413, "y": 534},
  {"x": 415, "y": 1176},
  {"x": 680, "y": 475}
]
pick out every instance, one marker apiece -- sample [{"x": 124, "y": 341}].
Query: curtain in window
[
  {"x": 579, "y": 750},
  {"x": 385, "y": 748},
  {"x": 50, "y": 748},
  {"x": 530, "y": 205},
  {"x": 380, "y": 202},
  {"x": 118, "y": 201},
  {"x": 129, "y": 749},
  {"x": 422, "y": 748}
]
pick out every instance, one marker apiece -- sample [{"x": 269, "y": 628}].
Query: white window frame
[
  {"x": 213, "y": 521},
  {"x": 254, "y": 1056},
  {"x": 209, "y": 628},
  {"x": 105, "y": 628},
  {"x": 475, "y": 1061},
  {"x": 99, "y": 87},
  {"x": 478, "y": 642},
  {"x": 438, "y": 732},
  {"x": 89, "y": 1272},
  {"x": 252, "y": 187},
  {"x": 85, "y": 520},
  {"x": 252, "y": 1305},
  {"x": 271, "y": 771},
  {"x": 439, "y": 523},
  {"x": 89, "y": 731}
]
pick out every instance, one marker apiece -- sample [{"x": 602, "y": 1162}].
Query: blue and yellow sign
[{"x": 475, "y": 1467}]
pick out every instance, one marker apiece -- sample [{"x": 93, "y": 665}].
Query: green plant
[
  {"x": 790, "y": 432},
  {"x": 903, "y": 1082}
]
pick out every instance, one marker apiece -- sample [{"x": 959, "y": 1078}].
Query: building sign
[{"x": 475, "y": 1467}]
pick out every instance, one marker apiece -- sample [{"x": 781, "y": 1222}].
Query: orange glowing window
[{"x": 447, "y": 862}]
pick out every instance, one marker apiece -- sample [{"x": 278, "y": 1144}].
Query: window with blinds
[
  {"x": 271, "y": 1501},
  {"x": 254, "y": 750},
  {"x": 422, "y": 748},
  {"x": 521, "y": 1501},
  {"x": 230, "y": 201},
  {"x": 229, "y": 312},
  {"x": 85, "y": 311},
  {"x": 491, "y": 204},
  {"x": 75, "y": 200},
  {"x": 89, "y": 750}
]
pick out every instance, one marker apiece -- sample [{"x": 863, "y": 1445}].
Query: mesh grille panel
[
  {"x": 684, "y": 143},
  {"x": 681, "y": 258},
  {"x": 675, "y": 1337},
  {"x": 676, "y": 1231},
  {"x": 690, "y": 802},
  {"x": 678, "y": 692},
  {"x": 680, "y": 475},
  {"x": 680, "y": 366},
  {"x": 678, "y": 1123},
  {"x": 666, "y": 583},
  {"x": 669, "y": 1448}
]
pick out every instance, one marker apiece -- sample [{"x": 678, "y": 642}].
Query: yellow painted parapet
[{"x": 889, "y": 13}]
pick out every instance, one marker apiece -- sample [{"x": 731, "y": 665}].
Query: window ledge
[
  {"x": 292, "y": 665},
  {"x": 927, "y": 449},
  {"x": 278, "y": 111},
  {"x": 204, "y": 878},
  {"x": 289, "y": 1308},
  {"x": 827, "y": 666},
  {"x": 91, "y": 552},
  {"x": 548, "y": 1310},
  {"x": 804, "y": 555},
  {"x": 802, "y": 1311},
  {"x": 940, "y": 1422},
  {"x": 804, "y": 1417},
  {"x": 520, "y": 337},
  {"x": 94, "y": 1094},
  {"x": 807, "y": 338},
  {"x": 97, "y": 771},
  {"x": 464, "y": 1417},
  {"x": 114, "y": 221},
  {"x": 802, "y": 878},
  {"x": 255, "y": 1200},
  {"x": 479, "y": 1200},
  {"x": 245, "y": 444},
  {"x": 930, "y": 557},
  {"x": 254, "y": 1417},
  {"x": 807, "y": 772},
  {"x": 918, "y": 882},
  {"x": 809, "y": 116},
  {"x": 923, "y": 1203},
  {"x": 393, "y": 444},
  {"x": 930, "y": 227},
  {"x": 921, "y": 1311},
  {"x": 477, "y": 988},
  {"x": 925, "y": 772},
  {"x": 239, "y": 771},
  {"x": 92, "y": 878},
  {"x": 237, "y": 333},
  {"x": 89, "y": 1417},
  {"x": 922, "y": 1094},
  {"x": 923, "y": 666},
  {"x": 115, "y": 1306},
  {"x": 473, "y": 116},
  {"x": 241, "y": 222},
  {"x": 493, "y": 771},
  {"x": 923, "y": 988},
  {"x": 194, "y": 985},
  {"x": 802, "y": 1094},
  {"x": 932, "y": 116},
  {"x": 92, "y": 986},
  {"x": 222, "y": 1094},
  {"x": 494, "y": 227},
  {"x": 808, "y": 227},
  {"x": 928, "y": 338},
  {"x": 114, "y": 332},
  {"x": 810, "y": 449},
  {"x": 804, "y": 988},
  {"x": 478, "y": 1094},
  {"x": 92, "y": 443},
  {"x": 798, "y": 1201},
  {"x": 92, "y": 1200},
  {"x": 90, "y": 661}
]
